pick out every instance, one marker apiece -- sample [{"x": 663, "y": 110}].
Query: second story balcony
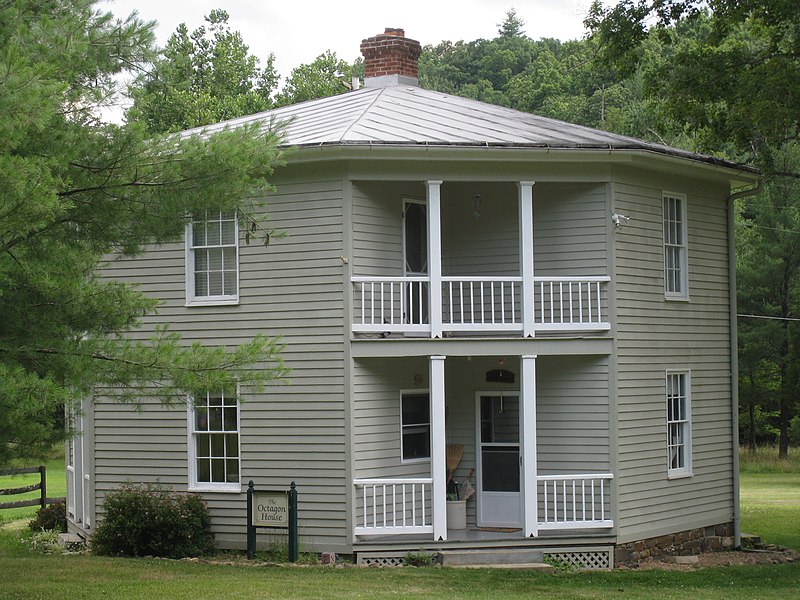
[
  {"x": 479, "y": 305},
  {"x": 460, "y": 261}
]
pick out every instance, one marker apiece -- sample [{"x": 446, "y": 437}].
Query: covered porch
[
  {"x": 461, "y": 258},
  {"x": 531, "y": 434}
]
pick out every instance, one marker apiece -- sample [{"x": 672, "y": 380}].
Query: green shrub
[
  {"x": 50, "y": 518},
  {"x": 419, "y": 559},
  {"x": 150, "y": 520},
  {"x": 42, "y": 541}
]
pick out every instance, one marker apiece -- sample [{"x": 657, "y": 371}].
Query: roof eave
[{"x": 519, "y": 152}]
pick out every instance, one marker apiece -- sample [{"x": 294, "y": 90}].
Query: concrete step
[
  {"x": 70, "y": 541},
  {"x": 522, "y": 566},
  {"x": 489, "y": 556}
]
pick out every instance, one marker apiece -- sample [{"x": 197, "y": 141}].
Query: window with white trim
[
  {"x": 212, "y": 258},
  {"x": 415, "y": 426},
  {"x": 214, "y": 442},
  {"x": 676, "y": 280},
  {"x": 679, "y": 424}
]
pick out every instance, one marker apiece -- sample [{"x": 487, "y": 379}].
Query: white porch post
[
  {"x": 438, "y": 451},
  {"x": 526, "y": 255},
  {"x": 435, "y": 256},
  {"x": 530, "y": 518}
]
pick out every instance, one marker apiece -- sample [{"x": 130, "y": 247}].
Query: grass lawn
[
  {"x": 771, "y": 508},
  {"x": 31, "y": 576},
  {"x": 770, "y": 496}
]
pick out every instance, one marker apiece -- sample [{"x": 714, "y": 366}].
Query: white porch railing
[
  {"x": 574, "y": 501},
  {"x": 569, "y": 303},
  {"x": 393, "y": 506},
  {"x": 482, "y": 303},
  {"x": 391, "y": 304},
  {"x": 479, "y": 304}
]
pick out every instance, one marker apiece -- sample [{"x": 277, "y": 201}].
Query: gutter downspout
[{"x": 737, "y": 527}]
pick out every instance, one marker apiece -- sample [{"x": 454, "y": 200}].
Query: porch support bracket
[
  {"x": 435, "y": 255},
  {"x": 526, "y": 255},
  {"x": 438, "y": 450},
  {"x": 530, "y": 520}
]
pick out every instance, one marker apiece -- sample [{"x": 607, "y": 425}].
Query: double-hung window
[
  {"x": 212, "y": 258},
  {"x": 214, "y": 442},
  {"x": 676, "y": 280},
  {"x": 679, "y": 424},
  {"x": 415, "y": 426}
]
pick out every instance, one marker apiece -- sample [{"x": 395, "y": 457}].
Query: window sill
[
  {"x": 213, "y": 302},
  {"x": 232, "y": 489},
  {"x": 680, "y": 475},
  {"x": 676, "y": 298},
  {"x": 411, "y": 461}
]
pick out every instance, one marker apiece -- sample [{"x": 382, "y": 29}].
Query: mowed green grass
[
  {"x": 770, "y": 503},
  {"x": 770, "y": 496},
  {"x": 32, "y": 576}
]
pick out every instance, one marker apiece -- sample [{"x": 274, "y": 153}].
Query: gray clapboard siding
[
  {"x": 480, "y": 231},
  {"x": 654, "y": 335},
  {"x": 569, "y": 229},
  {"x": 305, "y": 307}
]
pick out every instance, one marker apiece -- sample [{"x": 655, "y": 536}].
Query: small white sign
[{"x": 270, "y": 509}]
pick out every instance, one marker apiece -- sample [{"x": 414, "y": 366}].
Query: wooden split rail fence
[{"x": 42, "y": 500}]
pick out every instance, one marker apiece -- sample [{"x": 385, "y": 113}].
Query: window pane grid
[
  {"x": 215, "y": 251},
  {"x": 678, "y": 431},
  {"x": 674, "y": 246},
  {"x": 216, "y": 439}
]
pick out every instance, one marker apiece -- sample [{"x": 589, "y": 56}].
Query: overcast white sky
[{"x": 297, "y": 31}]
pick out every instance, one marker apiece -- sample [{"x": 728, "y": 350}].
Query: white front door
[{"x": 498, "y": 459}]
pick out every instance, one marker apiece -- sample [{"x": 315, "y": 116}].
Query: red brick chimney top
[{"x": 390, "y": 58}]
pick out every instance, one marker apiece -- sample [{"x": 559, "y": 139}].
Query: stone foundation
[{"x": 689, "y": 542}]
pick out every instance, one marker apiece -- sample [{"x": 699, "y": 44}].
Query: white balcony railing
[
  {"x": 393, "y": 506},
  {"x": 574, "y": 501},
  {"x": 391, "y": 304},
  {"x": 482, "y": 303},
  {"x": 569, "y": 303},
  {"x": 479, "y": 304}
]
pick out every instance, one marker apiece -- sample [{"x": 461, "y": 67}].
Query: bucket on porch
[{"x": 456, "y": 514}]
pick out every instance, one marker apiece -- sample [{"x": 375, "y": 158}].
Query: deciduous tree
[{"x": 201, "y": 78}]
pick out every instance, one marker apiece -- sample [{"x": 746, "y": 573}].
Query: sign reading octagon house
[{"x": 270, "y": 509}]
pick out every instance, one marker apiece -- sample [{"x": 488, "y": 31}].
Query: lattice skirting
[
  {"x": 600, "y": 558},
  {"x": 381, "y": 559},
  {"x": 585, "y": 559}
]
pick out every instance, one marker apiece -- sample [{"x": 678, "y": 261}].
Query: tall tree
[
  {"x": 326, "y": 75},
  {"x": 768, "y": 271},
  {"x": 74, "y": 190},
  {"x": 734, "y": 79},
  {"x": 201, "y": 78},
  {"x": 730, "y": 71}
]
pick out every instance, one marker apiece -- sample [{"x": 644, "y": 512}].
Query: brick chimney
[{"x": 390, "y": 58}]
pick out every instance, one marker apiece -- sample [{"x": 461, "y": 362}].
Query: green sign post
[{"x": 272, "y": 509}]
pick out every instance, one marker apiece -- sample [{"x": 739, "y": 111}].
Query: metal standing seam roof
[{"x": 409, "y": 116}]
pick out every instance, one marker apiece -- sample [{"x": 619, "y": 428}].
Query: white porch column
[
  {"x": 526, "y": 255},
  {"x": 435, "y": 256},
  {"x": 530, "y": 518},
  {"x": 438, "y": 451}
]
